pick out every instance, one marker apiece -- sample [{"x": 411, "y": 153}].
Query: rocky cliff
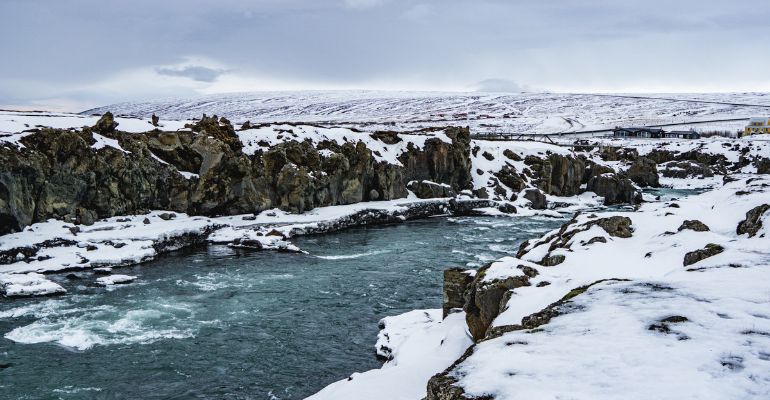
[{"x": 100, "y": 171}]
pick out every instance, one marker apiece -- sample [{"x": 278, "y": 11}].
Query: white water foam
[
  {"x": 351, "y": 256},
  {"x": 103, "y": 327}
]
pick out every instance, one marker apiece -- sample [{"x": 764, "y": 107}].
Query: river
[{"x": 218, "y": 323}]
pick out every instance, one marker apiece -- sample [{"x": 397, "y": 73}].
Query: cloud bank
[{"x": 84, "y": 53}]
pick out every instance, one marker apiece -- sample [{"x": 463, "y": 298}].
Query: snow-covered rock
[
  {"x": 29, "y": 284},
  {"x": 116, "y": 279}
]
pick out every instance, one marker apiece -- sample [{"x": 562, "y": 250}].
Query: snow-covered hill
[{"x": 483, "y": 112}]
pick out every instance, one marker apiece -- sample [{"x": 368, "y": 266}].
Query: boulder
[
  {"x": 763, "y": 165},
  {"x": 536, "y": 198},
  {"x": 693, "y": 225},
  {"x": 616, "y": 226},
  {"x": 710, "y": 250},
  {"x": 106, "y": 124},
  {"x": 644, "y": 172},
  {"x": 614, "y": 188},
  {"x": 430, "y": 190},
  {"x": 753, "y": 222}
]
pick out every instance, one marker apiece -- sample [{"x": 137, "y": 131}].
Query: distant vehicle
[{"x": 757, "y": 125}]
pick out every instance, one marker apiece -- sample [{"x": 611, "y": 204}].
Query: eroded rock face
[
  {"x": 686, "y": 169},
  {"x": 59, "y": 175},
  {"x": 557, "y": 174},
  {"x": 614, "y": 188},
  {"x": 537, "y": 198},
  {"x": 484, "y": 300},
  {"x": 753, "y": 222},
  {"x": 456, "y": 281},
  {"x": 644, "y": 172}
]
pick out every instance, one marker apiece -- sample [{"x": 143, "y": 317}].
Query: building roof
[{"x": 759, "y": 119}]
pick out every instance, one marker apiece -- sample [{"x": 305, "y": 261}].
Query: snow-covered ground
[
  {"x": 15, "y": 121},
  {"x": 420, "y": 343},
  {"x": 648, "y": 325},
  {"x": 483, "y": 112}
]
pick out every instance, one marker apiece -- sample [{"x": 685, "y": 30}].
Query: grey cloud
[
  {"x": 430, "y": 44},
  {"x": 194, "y": 72}
]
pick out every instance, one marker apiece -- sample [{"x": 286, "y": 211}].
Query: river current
[{"x": 218, "y": 323}]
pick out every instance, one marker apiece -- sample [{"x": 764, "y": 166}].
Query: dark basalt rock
[
  {"x": 484, "y": 300},
  {"x": 456, "y": 281},
  {"x": 510, "y": 178},
  {"x": 614, "y": 188},
  {"x": 537, "y": 198},
  {"x": 644, "y": 172},
  {"x": 693, "y": 225},
  {"x": 557, "y": 174},
  {"x": 106, "y": 124},
  {"x": 686, "y": 169},
  {"x": 753, "y": 222},
  {"x": 430, "y": 190},
  {"x": 59, "y": 175},
  {"x": 511, "y": 155},
  {"x": 710, "y": 250},
  {"x": 763, "y": 165}
]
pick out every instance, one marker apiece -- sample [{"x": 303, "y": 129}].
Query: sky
[{"x": 77, "y": 54}]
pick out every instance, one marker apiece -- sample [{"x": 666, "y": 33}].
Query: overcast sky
[{"x": 75, "y": 54}]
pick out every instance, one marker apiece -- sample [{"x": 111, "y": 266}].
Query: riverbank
[{"x": 671, "y": 293}]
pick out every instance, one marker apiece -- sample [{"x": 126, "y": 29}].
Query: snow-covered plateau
[
  {"x": 518, "y": 113},
  {"x": 656, "y": 288}
]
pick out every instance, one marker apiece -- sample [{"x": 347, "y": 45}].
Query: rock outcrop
[
  {"x": 710, "y": 250},
  {"x": 62, "y": 174},
  {"x": 753, "y": 222},
  {"x": 485, "y": 299},
  {"x": 614, "y": 188},
  {"x": 456, "y": 281},
  {"x": 430, "y": 190},
  {"x": 557, "y": 174},
  {"x": 644, "y": 172},
  {"x": 536, "y": 198},
  {"x": 693, "y": 225}
]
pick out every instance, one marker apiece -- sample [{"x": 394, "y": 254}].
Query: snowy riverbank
[{"x": 668, "y": 306}]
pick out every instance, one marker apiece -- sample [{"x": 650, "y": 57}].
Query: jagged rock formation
[
  {"x": 753, "y": 222},
  {"x": 485, "y": 299},
  {"x": 615, "y": 189},
  {"x": 644, "y": 172},
  {"x": 66, "y": 175},
  {"x": 456, "y": 281},
  {"x": 557, "y": 174}
]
